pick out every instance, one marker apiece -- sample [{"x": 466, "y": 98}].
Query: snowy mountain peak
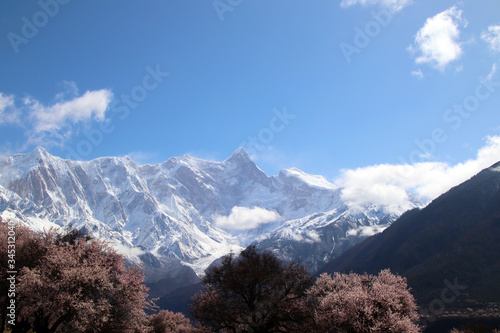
[
  {"x": 311, "y": 180},
  {"x": 39, "y": 153},
  {"x": 193, "y": 162},
  {"x": 240, "y": 155},
  {"x": 19, "y": 165}
]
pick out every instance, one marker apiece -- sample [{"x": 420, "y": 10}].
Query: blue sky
[{"x": 324, "y": 86}]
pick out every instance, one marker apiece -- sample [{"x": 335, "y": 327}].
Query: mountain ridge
[{"x": 170, "y": 209}]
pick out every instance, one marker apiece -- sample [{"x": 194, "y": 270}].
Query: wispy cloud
[
  {"x": 438, "y": 42},
  {"x": 243, "y": 218},
  {"x": 418, "y": 73},
  {"x": 132, "y": 253},
  {"x": 490, "y": 76},
  {"x": 53, "y": 124},
  {"x": 392, "y": 5},
  {"x": 5, "y": 101},
  {"x": 8, "y": 113},
  {"x": 366, "y": 231},
  {"x": 492, "y": 37},
  {"x": 392, "y": 185},
  {"x": 70, "y": 91},
  {"x": 143, "y": 157}
]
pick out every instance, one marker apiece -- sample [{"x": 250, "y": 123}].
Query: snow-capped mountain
[
  {"x": 186, "y": 209},
  {"x": 318, "y": 238}
]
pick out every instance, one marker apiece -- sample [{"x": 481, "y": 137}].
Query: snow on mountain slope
[
  {"x": 316, "y": 239},
  {"x": 311, "y": 180},
  {"x": 170, "y": 209}
]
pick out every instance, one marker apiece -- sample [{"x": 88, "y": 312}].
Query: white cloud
[
  {"x": 390, "y": 185},
  {"x": 90, "y": 106},
  {"x": 438, "y": 41},
  {"x": 419, "y": 74},
  {"x": 142, "y": 157},
  {"x": 490, "y": 76},
  {"x": 243, "y": 218},
  {"x": 312, "y": 236},
  {"x": 307, "y": 236},
  {"x": 53, "y": 124},
  {"x": 392, "y": 5},
  {"x": 70, "y": 91},
  {"x": 5, "y": 101},
  {"x": 132, "y": 253},
  {"x": 8, "y": 112},
  {"x": 366, "y": 231},
  {"x": 492, "y": 37}
]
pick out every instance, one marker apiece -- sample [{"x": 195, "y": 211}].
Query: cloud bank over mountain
[{"x": 394, "y": 185}]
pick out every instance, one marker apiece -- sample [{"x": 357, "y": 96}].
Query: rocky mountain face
[
  {"x": 318, "y": 238},
  {"x": 452, "y": 245},
  {"x": 186, "y": 211}
]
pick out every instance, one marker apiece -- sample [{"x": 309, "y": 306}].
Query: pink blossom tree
[
  {"x": 73, "y": 283},
  {"x": 363, "y": 303},
  {"x": 169, "y": 322},
  {"x": 19, "y": 247}
]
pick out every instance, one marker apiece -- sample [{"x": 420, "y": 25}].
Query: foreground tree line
[{"x": 72, "y": 283}]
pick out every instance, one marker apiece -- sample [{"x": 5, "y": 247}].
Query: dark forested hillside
[{"x": 454, "y": 240}]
